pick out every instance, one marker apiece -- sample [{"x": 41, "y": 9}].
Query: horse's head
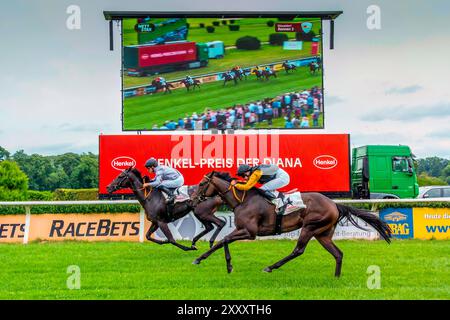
[
  {"x": 205, "y": 189},
  {"x": 212, "y": 184},
  {"x": 122, "y": 181}
]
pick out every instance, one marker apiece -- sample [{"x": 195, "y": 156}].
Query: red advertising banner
[
  {"x": 153, "y": 55},
  {"x": 315, "y": 162}
]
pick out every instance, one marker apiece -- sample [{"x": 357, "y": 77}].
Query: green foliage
[
  {"x": 426, "y": 180},
  {"x": 248, "y": 43},
  {"x": 68, "y": 170},
  {"x": 13, "y": 182},
  {"x": 4, "y": 154},
  {"x": 434, "y": 167},
  {"x": 270, "y": 23},
  {"x": 216, "y": 23},
  {"x": 234, "y": 27},
  {"x": 75, "y": 194},
  {"x": 210, "y": 29},
  {"x": 278, "y": 38},
  {"x": 33, "y": 195}
]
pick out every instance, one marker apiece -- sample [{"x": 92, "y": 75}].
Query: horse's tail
[{"x": 380, "y": 226}]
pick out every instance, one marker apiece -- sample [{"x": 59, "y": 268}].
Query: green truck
[{"x": 383, "y": 172}]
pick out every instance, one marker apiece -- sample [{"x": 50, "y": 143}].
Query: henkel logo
[
  {"x": 122, "y": 163},
  {"x": 325, "y": 162},
  {"x": 145, "y": 56}
]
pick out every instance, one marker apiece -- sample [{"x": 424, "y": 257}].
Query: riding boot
[
  {"x": 170, "y": 200},
  {"x": 269, "y": 195}
]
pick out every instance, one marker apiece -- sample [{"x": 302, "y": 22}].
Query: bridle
[
  {"x": 118, "y": 186},
  {"x": 201, "y": 195}
]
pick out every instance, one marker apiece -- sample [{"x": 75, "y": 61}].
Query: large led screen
[{"x": 229, "y": 73}]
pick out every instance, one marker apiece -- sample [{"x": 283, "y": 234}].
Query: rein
[
  {"x": 145, "y": 192},
  {"x": 222, "y": 194}
]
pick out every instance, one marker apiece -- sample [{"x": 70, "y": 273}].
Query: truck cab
[{"x": 383, "y": 172}]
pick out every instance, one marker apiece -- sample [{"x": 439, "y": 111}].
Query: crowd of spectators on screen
[{"x": 299, "y": 109}]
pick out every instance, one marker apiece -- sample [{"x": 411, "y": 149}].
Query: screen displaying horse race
[{"x": 222, "y": 73}]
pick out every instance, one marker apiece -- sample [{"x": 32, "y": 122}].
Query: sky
[{"x": 60, "y": 88}]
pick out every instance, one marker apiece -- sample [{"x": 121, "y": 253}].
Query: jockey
[
  {"x": 268, "y": 70},
  {"x": 162, "y": 81},
  {"x": 272, "y": 177},
  {"x": 189, "y": 79},
  {"x": 166, "y": 179}
]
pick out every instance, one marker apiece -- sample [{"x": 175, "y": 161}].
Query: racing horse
[
  {"x": 165, "y": 87},
  {"x": 154, "y": 204},
  {"x": 255, "y": 216},
  {"x": 239, "y": 73},
  {"x": 228, "y": 76},
  {"x": 289, "y": 66},
  {"x": 313, "y": 68},
  {"x": 187, "y": 84},
  {"x": 263, "y": 74}
]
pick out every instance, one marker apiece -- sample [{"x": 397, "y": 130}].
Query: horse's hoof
[
  {"x": 230, "y": 269},
  {"x": 196, "y": 261},
  {"x": 268, "y": 270},
  {"x": 193, "y": 247},
  {"x": 211, "y": 244}
]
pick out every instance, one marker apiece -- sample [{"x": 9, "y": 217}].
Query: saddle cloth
[
  {"x": 294, "y": 199},
  {"x": 181, "y": 194}
]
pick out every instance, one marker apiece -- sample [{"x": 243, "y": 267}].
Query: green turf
[
  {"x": 142, "y": 112},
  {"x": 410, "y": 269}
]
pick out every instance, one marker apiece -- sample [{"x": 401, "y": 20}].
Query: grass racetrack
[
  {"x": 410, "y": 269},
  {"x": 142, "y": 112}
]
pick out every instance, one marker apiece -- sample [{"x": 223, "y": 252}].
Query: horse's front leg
[
  {"x": 240, "y": 234},
  {"x": 165, "y": 229}
]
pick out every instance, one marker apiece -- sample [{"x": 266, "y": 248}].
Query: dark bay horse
[
  {"x": 165, "y": 87},
  {"x": 154, "y": 204},
  {"x": 229, "y": 77},
  {"x": 255, "y": 216},
  {"x": 313, "y": 68},
  {"x": 289, "y": 66},
  {"x": 187, "y": 84}
]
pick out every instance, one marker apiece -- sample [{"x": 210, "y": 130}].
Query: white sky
[{"x": 60, "y": 89}]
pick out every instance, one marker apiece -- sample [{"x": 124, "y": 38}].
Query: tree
[
  {"x": 13, "y": 181},
  {"x": 85, "y": 175},
  {"x": 4, "y": 154},
  {"x": 433, "y": 166},
  {"x": 425, "y": 180}
]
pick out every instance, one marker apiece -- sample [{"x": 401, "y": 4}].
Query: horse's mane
[
  {"x": 137, "y": 173},
  {"x": 223, "y": 175}
]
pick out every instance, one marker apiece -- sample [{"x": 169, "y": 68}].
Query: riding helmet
[
  {"x": 243, "y": 168},
  {"x": 151, "y": 163}
]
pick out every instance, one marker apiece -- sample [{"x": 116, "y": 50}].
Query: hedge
[
  {"x": 75, "y": 194},
  {"x": 210, "y": 29},
  {"x": 119, "y": 208},
  {"x": 33, "y": 195},
  {"x": 248, "y": 43},
  {"x": 278, "y": 38}
]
